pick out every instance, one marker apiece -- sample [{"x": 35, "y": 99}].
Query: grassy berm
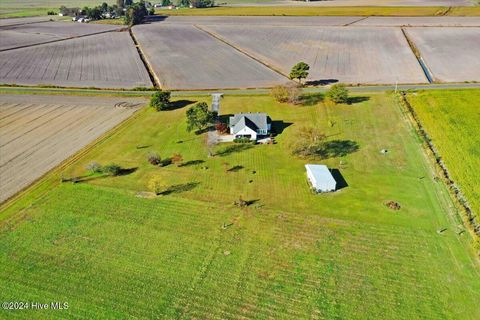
[{"x": 191, "y": 254}]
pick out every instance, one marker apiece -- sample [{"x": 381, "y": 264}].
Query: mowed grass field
[
  {"x": 452, "y": 121},
  {"x": 291, "y": 254}
]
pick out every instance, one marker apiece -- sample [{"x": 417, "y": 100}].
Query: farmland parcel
[
  {"x": 184, "y": 57},
  {"x": 108, "y": 60},
  {"x": 450, "y": 53},
  {"x": 36, "y": 33},
  {"x": 352, "y": 55},
  {"x": 38, "y": 132},
  {"x": 291, "y": 255},
  {"x": 452, "y": 120}
]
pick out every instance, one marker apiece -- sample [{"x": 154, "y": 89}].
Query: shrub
[
  {"x": 286, "y": 93},
  {"x": 241, "y": 140},
  {"x": 241, "y": 203},
  {"x": 338, "y": 93},
  {"x": 112, "y": 169},
  {"x": 221, "y": 127},
  {"x": 94, "y": 167},
  {"x": 280, "y": 93},
  {"x": 160, "y": 100},
  {"x": 153, "y": 158},
  {"x": 176, "y": 158},
  {"x": 202, "y": 3},
  {"x": 156, "y": 185}
]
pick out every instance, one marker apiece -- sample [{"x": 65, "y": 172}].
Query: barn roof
[{"x": 321, "y": 174}]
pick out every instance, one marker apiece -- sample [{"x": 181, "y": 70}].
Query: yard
[
  {"x": 451, "y": 119},
  {"x": 291, "y": 254}
]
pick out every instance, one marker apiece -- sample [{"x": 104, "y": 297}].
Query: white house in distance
[
  {"x": 321, "y": 178},
  {"x": 250, "y": 125}
]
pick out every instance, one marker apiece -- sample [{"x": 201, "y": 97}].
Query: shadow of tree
[
  {"x": 233, "y": 148},
  {"x": 358, "y": 99},
  {"x": 339, "y": 148},
  {"x": 321, "y": 82},
  {"x": 202, "y": 131},
  {"x": 325, "y": 150},
  {"x": 191, "y": 163},
  {"x": 174, "y": 105},
  {"x": 98, "y": 176},
  {"x": 127, "y": 171},
  {"x": 235, "y": 169},
  {"x": 154, "y": 18},
  {"x": 311, "y": 99},
  {"x": 253, "y": 201},
  {"x": 224, "y": 118},
  {"x": 178, "y": 188},
  {"x": 341, "y": 182}
]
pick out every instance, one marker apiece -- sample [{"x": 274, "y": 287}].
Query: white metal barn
[{"x": 320, "y": 177}]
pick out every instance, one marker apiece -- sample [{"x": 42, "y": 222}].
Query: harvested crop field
[
  {"x": 184, "y": 57},
  {"x": 271, "y": 21},
  {"x": 39, "y": 132},
  {"x": 420, "y": 21},
  {"x": 37, "y": 33},
  {"x": 351, "y": 55},
  {"x": 451, "y": 54},
  {"x": 108, "y": 60},
  {"x": 18, "y": 21}
]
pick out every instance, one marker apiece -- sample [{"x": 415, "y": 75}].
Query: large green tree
[
  {"x": 199, "y": 117},
  {"x": 299, "y": 71},
  {"x": 160, "y": 100},
  {"x": 135, "y": 13}
]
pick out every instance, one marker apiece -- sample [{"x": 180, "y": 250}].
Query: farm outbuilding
[{"x": 321, "y": 178}]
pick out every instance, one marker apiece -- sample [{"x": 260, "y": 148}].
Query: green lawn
[
  {"x": 452, "y": 121},
  {"x": 291, "y": 254}
]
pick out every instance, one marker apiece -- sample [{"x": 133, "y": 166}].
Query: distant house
[
  {"x": 250, "y": 125},
  {"x": 320, "y": 177}
]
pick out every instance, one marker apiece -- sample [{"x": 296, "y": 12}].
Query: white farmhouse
[
  {"x": 320, "y": 177},
  {"x": 250, "y": 125}
]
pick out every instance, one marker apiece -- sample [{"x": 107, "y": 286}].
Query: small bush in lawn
[
  {"x": 221, "y": 127},
  {"x": 287, "y": 93},
  {"x": 241, "y": 140},
  {"x": 241, "y": 203},
  {"x": 112, "y": 169},
  {"x": 176, "y": 158},
  {"x": 94, "y": 167},
  {"x": 156, "y": 185},
  {"x": 154, "y": 158},
  {"x": 160, "y": 100},
  {"x": 338, "y": 93}
]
